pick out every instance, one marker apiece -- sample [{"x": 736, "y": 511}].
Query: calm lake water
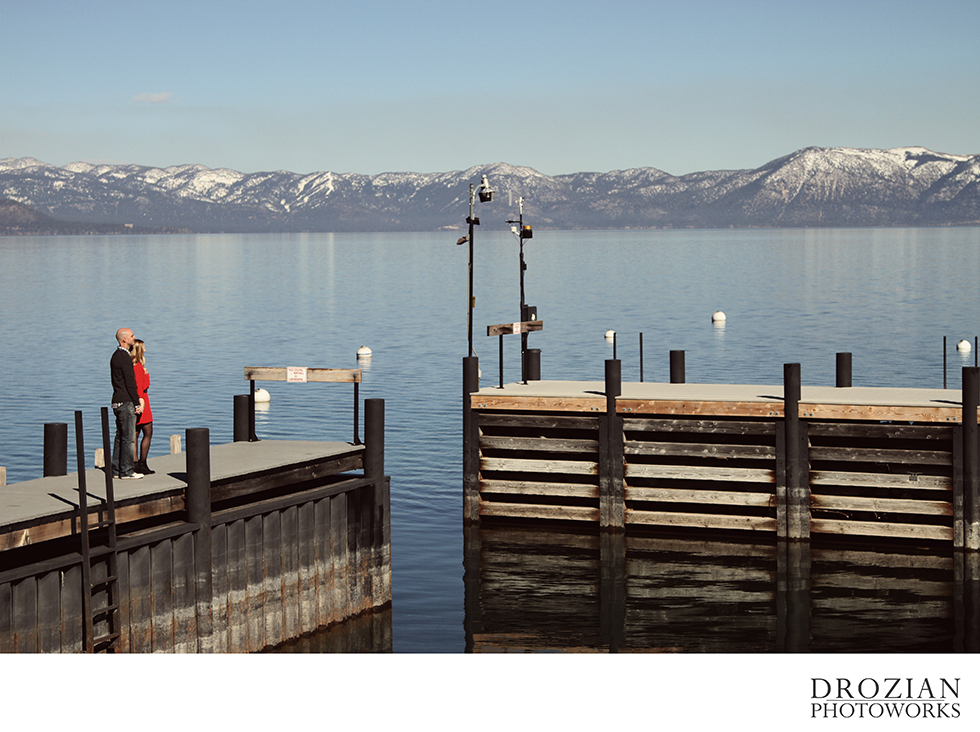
[{"x": 207, "y": 306}]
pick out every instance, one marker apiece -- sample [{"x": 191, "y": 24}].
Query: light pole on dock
[
  {"x": 486, "y": 195},
  {"x": 523, "y": 232}
]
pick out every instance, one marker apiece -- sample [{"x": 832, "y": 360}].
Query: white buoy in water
[
  {"x": 610, "y": 334},
  {"x": 261, "y": 395},
  {"x": 718, "y": 317},
  {"x": 964, "y": 346},
  {"x": 364, "y": 352}
]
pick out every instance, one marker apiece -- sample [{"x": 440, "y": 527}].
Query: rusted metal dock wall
[
  {"x": 233, "y": 570},
  {"x": 785, "y": 468}
]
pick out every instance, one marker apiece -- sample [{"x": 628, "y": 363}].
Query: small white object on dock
[
  {"x": 964, "y": 346},
  {"x": 261, "y": 395},
  {"x": 718, "y": 317}
]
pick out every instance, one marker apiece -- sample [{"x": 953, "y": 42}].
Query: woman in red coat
[{"x": 144, "y": 425}]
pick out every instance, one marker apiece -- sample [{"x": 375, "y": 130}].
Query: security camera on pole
[{"x": 486, "y": 195}]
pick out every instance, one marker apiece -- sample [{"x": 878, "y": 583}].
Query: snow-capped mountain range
[{"x": 909, "y": 186}]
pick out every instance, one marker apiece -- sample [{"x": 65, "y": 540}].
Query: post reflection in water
[{"x": 546, "y": 589}]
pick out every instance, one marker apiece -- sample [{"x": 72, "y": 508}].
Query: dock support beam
[
  {"x": 792, "y": 468},
  {"x": 198, "y": 503},
  {"x": 471, "y": 442},
  {"x": 55, "y": 449},
  {"x": 612, "y": 504},
  {"x": 971, "y": 459}
]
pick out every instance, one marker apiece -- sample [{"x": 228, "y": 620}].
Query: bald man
[{"x": 125, "y": 405}]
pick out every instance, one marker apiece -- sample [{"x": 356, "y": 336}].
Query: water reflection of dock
[{"x": 562, "y": 590}]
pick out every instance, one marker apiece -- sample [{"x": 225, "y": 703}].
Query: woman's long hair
[{"x": 138, "y": 352}]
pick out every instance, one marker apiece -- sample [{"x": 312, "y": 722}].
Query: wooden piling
[
  {"x": 198, "y": 502},
  {"x": 971, "y": 459},
  {"x": 795, "y": 457},
  {"x": 471, "y": 444},
  {"x": 56, "y": 448},
  {"x": 612, "y": 505},
  {"x": 677, "y": 375}
]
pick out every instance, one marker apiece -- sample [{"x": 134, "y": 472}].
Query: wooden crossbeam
[
  {"x": 297, "y": 374},
  {"x": 525, "y": 326}
]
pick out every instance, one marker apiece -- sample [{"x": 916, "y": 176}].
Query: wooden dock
[
  {"x": 788, "y": 461},
  {"x": 279, "y": 539}
]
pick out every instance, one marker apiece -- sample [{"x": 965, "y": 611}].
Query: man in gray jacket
[{"x": 126, "y": 405}]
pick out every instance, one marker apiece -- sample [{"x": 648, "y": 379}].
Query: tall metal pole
[
  {"x": 520, "y": 238},
  {"x": 471, "y": 221}
]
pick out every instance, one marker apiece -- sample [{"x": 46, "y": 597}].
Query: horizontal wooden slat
[
  {"x": 882, "y": 528},
  {"x": 699, "y": 449},
  {"x": 880, "y": 480},
  {"x": 881, "y": 505},
  {"x": 880, "y": 431},
  {"x": 769, "y": 410},
  {"x": 881, "y": 413},
  {"x": 522, "y": 510},
  {"x": 700, "y": 520},
  {"x": 278, "y": 373},
  {"x": 570, "y": 467},
  {"x": 685, "y": 472},
  {"x": 539, "y": 488},
  {"x": 725, "y": 498},
  {"x": 538, "y": 421},
  {"x": 538, "y": 403},
  {"x": 877, "y": 455},
  {"x": 698, "y": 426},
  {"x": 538, "y": 444}
]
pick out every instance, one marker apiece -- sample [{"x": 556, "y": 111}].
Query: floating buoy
[
  {"x": 610, "y": 334},
  {"x": 718, "y": 317},
  {"x": 261, "y": 395},
  {"x": 364, "y": 352},
  {"x": 964, "y": 346}
]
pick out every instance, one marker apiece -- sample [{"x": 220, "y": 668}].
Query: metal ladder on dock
[{"x": 100, "y": 571}]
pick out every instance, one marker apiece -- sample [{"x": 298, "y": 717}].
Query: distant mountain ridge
[{"x": 909, "y": 186}]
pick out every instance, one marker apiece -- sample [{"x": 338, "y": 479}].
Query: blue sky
[{"x": 370, "y": 86}]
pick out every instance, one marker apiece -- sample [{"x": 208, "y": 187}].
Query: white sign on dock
[{"x": 296, "y": 374}]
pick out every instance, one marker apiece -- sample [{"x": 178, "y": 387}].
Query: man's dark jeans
[{"x": 122, "y": 446}]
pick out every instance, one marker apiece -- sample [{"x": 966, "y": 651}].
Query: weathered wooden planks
[
  {"x": 281, "y": 563},
  {"x": 865, "y": 468}
]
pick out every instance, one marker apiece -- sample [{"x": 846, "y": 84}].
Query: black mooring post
[
  {"x": 532, "y": 364},
  {"x": 843, "y": 370},
  {"x": 971, "y": 458},
  {"x": 241, "y": 418},
  {"x": 374, "y": 439},
  {"x": 944, "y": 362},
  {"x": 198, "y": 500},
  {"x": 55, "y": 449},
  {"x": 471, "y": 448},
  {"x": 677, "y": 367}
]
